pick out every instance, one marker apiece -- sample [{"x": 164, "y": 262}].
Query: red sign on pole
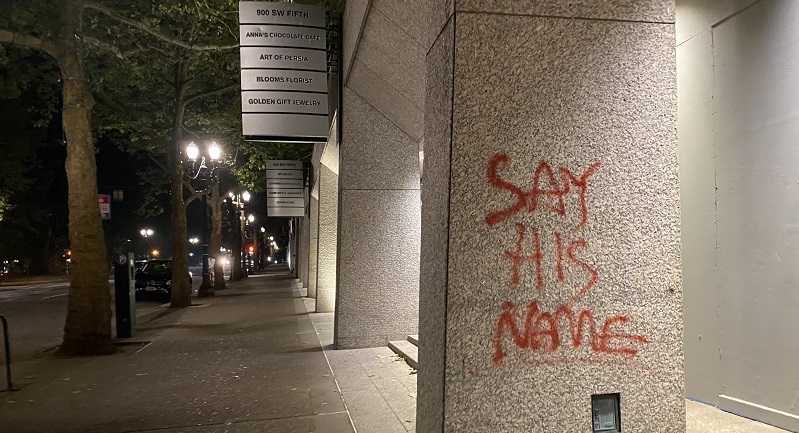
[{"x": 105, "y": 206}]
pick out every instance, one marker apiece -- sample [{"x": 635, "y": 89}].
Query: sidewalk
[
  {"x": 247, "y": 360},
  {"x": 250, "y": 359}
]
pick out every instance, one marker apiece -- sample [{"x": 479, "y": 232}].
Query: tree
[
  {"x": 188, "y": 82},
  {"x": 62, "y": 31},
  {"x": 55, "y": 30}
]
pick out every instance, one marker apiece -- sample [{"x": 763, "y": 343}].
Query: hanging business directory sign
[
  {"x": 285, "y": 189},
  {"x": 283, "y": 72}
]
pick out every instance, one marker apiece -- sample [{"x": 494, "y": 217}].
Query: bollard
[{"x": 7, "y": 345}]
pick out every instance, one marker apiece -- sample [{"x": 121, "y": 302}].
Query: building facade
[{"x": 575, "y": 205}]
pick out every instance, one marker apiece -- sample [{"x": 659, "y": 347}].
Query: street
[{"x": 36, "y": 314}]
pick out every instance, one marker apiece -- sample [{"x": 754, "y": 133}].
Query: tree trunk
[
  {"x": 215, "y": 202},
  {"x": 181, "y": 290},
  {"x": 88, "y": 325}
]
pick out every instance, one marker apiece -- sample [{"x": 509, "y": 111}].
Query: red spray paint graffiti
[
  {"x": 530, "y": 200},
  {"x": 541, "y": 330},
  {"x": 517, "y": 259}
]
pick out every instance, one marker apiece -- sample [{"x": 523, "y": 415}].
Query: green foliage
[
  {"x": 251, "y": 170},
  {"x": 133, "y": 78},
  {"x": 137, "y": 91},
  {"x": 136, "y": 95},
  {"x": 23, "y": 84},
  {"x": 36, "y": 18}
]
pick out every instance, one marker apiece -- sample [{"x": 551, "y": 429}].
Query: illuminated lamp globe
[
  {"x": 214, "y": 151},
  {"x": 192, "y": 151}
]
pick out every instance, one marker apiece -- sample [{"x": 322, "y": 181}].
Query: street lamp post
[
  {"x": 205, "y": 174},
  {"x": 261, "y": 248},
  {"x": 239, "y": 199},
  {"x": 146, "y": 233},
  {"x": 250, "y": 252}
]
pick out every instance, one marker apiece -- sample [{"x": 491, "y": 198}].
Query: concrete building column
[
  {"x": 550, "y": 268},
  {"x": 328, "y": 231},
  {"x": 303, "y": 241},
  {"x": 313, "y": 244},
  {"x": 382, "y": 125}
]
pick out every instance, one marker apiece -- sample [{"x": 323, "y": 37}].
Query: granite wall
[
  {"x": 303, "y": 241},
  {"x": 327, "y": 248},
  {"x": 551, "y": 242},
  {"x": 382, "y": 127},
  {"x": 313, "y": 244}
]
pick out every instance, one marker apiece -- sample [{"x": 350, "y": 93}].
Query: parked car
[{"x": 155, "y": 278}]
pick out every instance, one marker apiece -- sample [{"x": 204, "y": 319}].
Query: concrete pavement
[
  {"x": 246, "y": 360},
  {"x": 251, "y": 359}
]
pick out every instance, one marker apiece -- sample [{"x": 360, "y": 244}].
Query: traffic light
[
  {"x": 251, "y": 249},
  {"x": 67, "y": 253}
]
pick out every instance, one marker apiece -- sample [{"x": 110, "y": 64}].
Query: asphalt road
[{"x": 36, "y": 315}]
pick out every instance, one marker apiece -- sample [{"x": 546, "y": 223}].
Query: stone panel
[
  {"x": 378, "y": 286},
  {"x": 585, "y": 110},
  {"x": 439, "y": 13},
  {"x": 328, "y": 235},
  {"x": 657, "y": 11},
  {"x": 377, "y": 154},
  {"x": 387, "y": 100},
  {"x": 313, "y": 247},
  {"x": 354, "y": 16},
  {"x": 435, "y": 234},
  {"x": 393, "y": 55},
  {"x": 409, "y": 15},
  {"x": 302, "y": 249}
]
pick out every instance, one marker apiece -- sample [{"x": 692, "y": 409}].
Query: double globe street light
[
  {"x": 146, "y": 234},
  {"x": 205, "y": 172},
  {"x": 238, "y": 199}
]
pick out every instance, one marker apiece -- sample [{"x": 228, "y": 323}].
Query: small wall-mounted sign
[{"x": 285, "y": 191}]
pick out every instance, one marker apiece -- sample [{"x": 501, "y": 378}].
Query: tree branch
[
  {"x": 162, "y": 36},
  {"x": 199, "y": 74},
  {"x": 105, "y": 47},
  {"x": 186, "y": 183},
  {"x": 157, "y": 163},
  {"x": 216, "y": 91},
  {"x": 116, "y": 51},
  {"x": 189, "y": 131},
  {"x": 29, "y": 41},
  {"x": 114, "y": 105}
]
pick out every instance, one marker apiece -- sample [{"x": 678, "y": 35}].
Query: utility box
[
  {"x": 124, "y": 295},
  {"x": 605, "y": 413}
]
